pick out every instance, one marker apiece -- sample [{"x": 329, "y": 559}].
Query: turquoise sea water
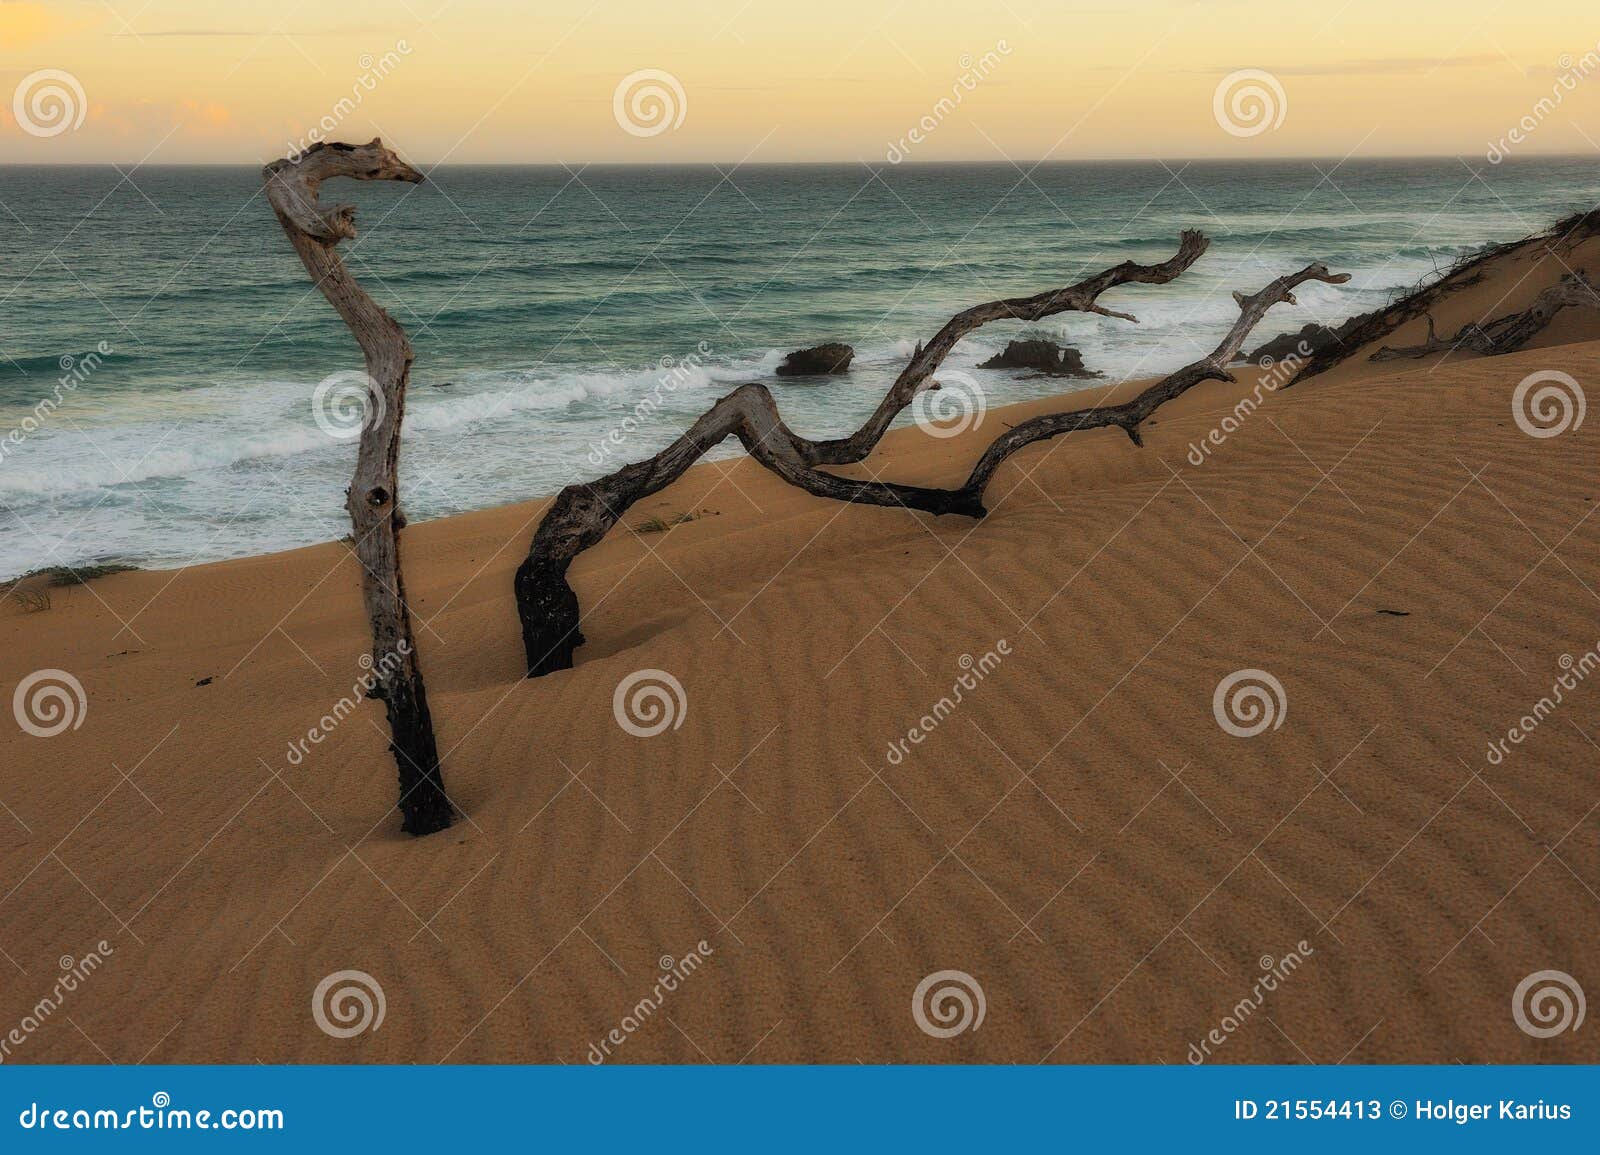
[{"x": 544, "y": 304}]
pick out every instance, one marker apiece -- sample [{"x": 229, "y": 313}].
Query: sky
[{"x": 655, "y": 81}]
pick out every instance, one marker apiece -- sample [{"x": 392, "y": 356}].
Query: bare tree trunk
[
  {"x": 582, "y": 514},
  {"x": 1504, "y": 334},
  {"x": 373, "y": 497}
]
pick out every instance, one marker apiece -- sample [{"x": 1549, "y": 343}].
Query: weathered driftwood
[
  {"x": 583, "y": 513},
  {"x": 1504, "y": 334},
  {"x": 1368, "y": 329},
  {"x": 373, "y": 497}
]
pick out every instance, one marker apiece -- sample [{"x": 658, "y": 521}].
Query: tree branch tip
[{"x": 293, "y": 181}]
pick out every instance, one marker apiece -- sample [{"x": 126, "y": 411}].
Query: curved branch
[
  {"x": 582, "y": 514},
  {"x": 1130, "y": 414},
  {"x": 1080, "y": 298},
  {"x": 292, "y": 186}
]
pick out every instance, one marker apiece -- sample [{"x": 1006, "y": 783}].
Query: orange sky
[{"x": 168, "y": 81}]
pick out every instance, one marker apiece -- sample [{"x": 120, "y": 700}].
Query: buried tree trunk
[
  {"x": 582, "y": 514},
  {"x": 1505, "y": 334},
  {"x": 373, "y": 499}
]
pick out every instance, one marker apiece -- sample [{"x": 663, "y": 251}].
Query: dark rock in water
[
  {"x": 1312, "y": 341},
  {"x": 1042, "y": 355},
  {"x": 817, "y": 361}
]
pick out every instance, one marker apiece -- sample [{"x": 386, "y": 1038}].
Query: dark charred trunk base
[
  {"x": 549, "y": 611},
  {"x": 423, "y": 804}
]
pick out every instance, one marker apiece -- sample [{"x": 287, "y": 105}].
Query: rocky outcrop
[
  {"x": 1314, "y": 340},
  {"x": 817, "y": 361},
  {"x": 1040, "y": 355}
]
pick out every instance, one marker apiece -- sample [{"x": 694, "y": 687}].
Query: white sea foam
[{"x": 190, "y": 432}]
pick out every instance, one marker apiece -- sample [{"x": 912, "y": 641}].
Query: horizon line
[{"x": 849, "y": 162}]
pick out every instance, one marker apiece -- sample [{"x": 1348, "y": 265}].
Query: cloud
[
  {"x": 240, "y": 33},
  {"x": 1390, "y": 66},
  {"x": 156, "y": 121},
  {"x": 23, "y": 23}
]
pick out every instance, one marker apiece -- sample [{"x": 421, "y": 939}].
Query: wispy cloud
[
  {"x": 242, "y": 33},
  {"x": 1390, "y": 66}
]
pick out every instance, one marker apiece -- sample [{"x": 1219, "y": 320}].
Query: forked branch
[
  {"x": 582, "y": 514},
  {"x": 1082, "y": 297},
  {"x": 373, "y": 498}
]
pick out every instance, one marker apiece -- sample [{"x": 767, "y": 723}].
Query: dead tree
[
  {"x": 582, "y": 513},
  {"x": 1504, "y": 334},
  {"x": 373, "y": 498}
]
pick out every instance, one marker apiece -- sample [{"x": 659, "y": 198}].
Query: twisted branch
[
  {"x": 373, "y": 498},
  {"x": 582, "y": 514}
]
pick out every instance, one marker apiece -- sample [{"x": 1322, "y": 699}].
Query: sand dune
[{"x": 1080, "y": 835}]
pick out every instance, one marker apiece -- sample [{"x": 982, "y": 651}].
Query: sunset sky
[{"x": 171, "y": 81}]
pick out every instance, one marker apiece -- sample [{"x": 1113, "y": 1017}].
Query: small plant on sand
[
  {"x": 661, "y": 525},
  {"x": 32, "y": 599}
]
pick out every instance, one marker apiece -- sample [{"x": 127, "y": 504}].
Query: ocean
[{"x": 544, "y": 303}]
